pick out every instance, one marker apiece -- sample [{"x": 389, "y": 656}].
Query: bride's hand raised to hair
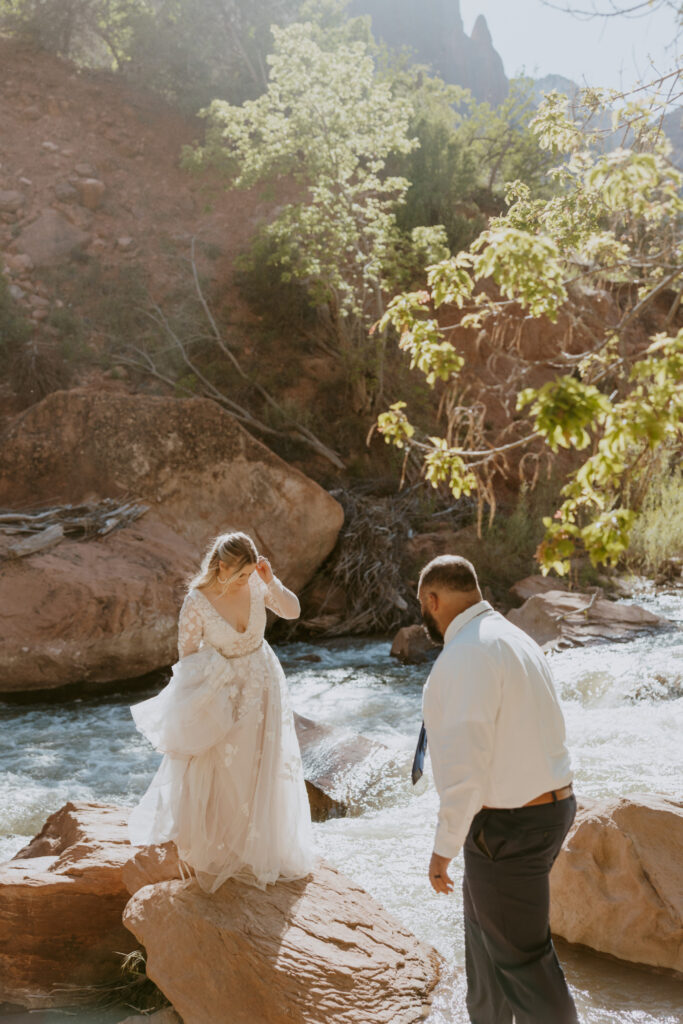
[{"x": 264, "y": 570}]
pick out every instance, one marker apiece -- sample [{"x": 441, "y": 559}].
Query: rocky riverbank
[{"x": 318, "y": 951}]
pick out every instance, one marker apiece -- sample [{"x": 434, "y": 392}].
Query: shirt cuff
[{"x": 446, "y": 844}]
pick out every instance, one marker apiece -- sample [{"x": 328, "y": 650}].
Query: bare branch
[
  {"x": 635, "y": 10},
  {"x": 302, "y": 432}
]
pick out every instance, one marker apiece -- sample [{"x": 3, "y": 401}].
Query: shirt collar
[{"x": 461, "y": 620}]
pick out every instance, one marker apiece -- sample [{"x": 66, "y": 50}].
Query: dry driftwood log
[
  {"x": 366, "y": 565},
  {"x": 46, "y": 527}
]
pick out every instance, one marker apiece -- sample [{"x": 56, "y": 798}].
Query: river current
[{"x": 624, "y": 713}]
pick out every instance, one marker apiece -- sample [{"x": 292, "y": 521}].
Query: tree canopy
[
  {"x": 328, "y": 123},
  {"x": 613, "y": 224}
]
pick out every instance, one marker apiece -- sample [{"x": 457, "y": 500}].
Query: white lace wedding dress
[{"x": 230, "y": 790}]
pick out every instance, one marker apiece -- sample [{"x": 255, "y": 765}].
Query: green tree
[
  {"x": 92, "y": 32},
  {"x": 328, "y": 123},
  {"x": 615, "y": 223},
  {"x": 504, "y": 146},
  {"x": 192, "y": 51},
  {"x": 442, "y": 170},
  {"x": 467, "y": 151}
]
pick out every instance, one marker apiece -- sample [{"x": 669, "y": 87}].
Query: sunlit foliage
[{"x": 615, "y": 221}]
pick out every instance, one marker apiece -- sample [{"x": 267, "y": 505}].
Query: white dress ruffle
[{"x": 230, "y": 790}]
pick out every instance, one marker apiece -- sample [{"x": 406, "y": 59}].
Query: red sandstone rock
[
  {"x": 88, "y": 612},
  {"x": 421, "y": 548},
  {"x": 189, "y": 458},
  {"x": 412, "y": 645},
  {"x": 151, "y": 865},
  {"x": 113, "y": 601},
  {"x": 617, "y": 885},
  {"x": 316, "y": 951},
  {"x": 61, "y": 900},
  {"x": 532, "y": 585},
  {"x": 560, "y": 619}
]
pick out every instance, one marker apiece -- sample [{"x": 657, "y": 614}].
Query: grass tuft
[{"x": 657, "y": 535}]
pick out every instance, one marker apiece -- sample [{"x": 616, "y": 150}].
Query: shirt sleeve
[
  {"x": 280, "y": 600},
  {"x": 460, "y": 708},
  {"x": 190, "y": 627}
]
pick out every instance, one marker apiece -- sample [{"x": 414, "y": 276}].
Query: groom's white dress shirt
[{"x": 494, "y": 725}]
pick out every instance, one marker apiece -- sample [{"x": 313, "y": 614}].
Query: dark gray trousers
[{"x": 512, "y": 968}]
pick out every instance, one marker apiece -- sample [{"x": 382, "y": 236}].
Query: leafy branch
[{"x": 616, "y": 218}]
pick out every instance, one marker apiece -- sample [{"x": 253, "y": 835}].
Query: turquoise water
[{"x": 624, "y": 726}]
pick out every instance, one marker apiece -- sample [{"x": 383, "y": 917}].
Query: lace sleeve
[
  {"x": 190, "y": 627},
  {"x": 281, "y": 600}
]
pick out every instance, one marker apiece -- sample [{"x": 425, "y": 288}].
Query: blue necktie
[{"x": 419, "y": 760}]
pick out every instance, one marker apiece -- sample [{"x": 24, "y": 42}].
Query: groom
[{"x": 501, "y": 768}]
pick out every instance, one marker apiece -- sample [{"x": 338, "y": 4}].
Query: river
[{"x": 624, "y": 722}]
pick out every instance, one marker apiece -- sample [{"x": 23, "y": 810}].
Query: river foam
[{"x": 624, "y": 725}]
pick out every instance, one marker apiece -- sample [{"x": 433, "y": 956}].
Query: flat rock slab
[
  {"x": 617, "y": 885},
  {"x": 316, "y": 951},
  {"x": 61, "y": 900},
  {"x": 532, "y": 585},
  {"x": 558, "y": 619},
  {"x": 338, "y": 767}
]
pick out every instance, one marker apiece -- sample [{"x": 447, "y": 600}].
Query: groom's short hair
[{"x": 450, "y": 571}]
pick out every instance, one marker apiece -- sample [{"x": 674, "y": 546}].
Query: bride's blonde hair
[{"x": 234, "y": 547}]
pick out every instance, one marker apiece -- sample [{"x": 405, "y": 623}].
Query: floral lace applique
[{"x": 190, "y": 626}]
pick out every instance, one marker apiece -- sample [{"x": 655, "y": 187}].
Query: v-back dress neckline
[{"x": 239, "y": 632}]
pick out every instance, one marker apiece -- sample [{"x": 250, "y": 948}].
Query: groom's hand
[{"x": 440, "y": 880}]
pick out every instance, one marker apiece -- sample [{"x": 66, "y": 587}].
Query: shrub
[
  {"x": 657, "y": 534},
  {"x": 14, "y": 328}
]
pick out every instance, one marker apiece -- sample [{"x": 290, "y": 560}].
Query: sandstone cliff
[{"x": 433, "y": 32}]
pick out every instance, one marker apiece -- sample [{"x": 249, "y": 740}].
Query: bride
[{"x": 230, "y": 790}]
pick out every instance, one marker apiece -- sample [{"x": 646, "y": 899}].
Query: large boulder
[
  {"x": 61, "y": 900},
  {"x": 106, "y": 608},
  {"x": 315, "y": 951},
  {"x": 339, "y": 767},
  {"x": 617, "y": 885},
  {"x": 558, "y": 619},
  {"x": 86, "y": 613},
  {"x": 189, "y": 458}
]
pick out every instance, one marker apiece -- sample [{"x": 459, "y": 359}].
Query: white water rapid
[{"x": 624, "y": 710}]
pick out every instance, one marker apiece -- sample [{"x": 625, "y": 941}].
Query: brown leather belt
[{"x": 551, "y": 797}]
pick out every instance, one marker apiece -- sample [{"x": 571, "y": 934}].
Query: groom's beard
[{"x": 430, "y": 625}]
